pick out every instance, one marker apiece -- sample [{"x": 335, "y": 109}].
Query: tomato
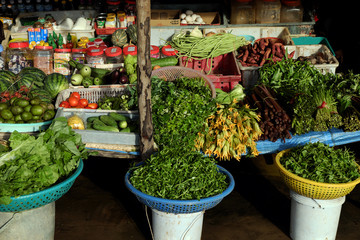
[
  {"x": 83, "y": 102},
  {"x": 75, "y": 94},
  {"x": 73, "y": 101},
  {"x": 64, "y": 104},
  {"x": 92, "y": 105},
  {"x": 79, "y": 106},
  {"x": 156, "y": 67}
]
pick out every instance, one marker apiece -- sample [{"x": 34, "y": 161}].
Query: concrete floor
[{"x": 99, "y": 206}]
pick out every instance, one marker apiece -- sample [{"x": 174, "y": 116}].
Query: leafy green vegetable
[
  {"x": 35, "y": 163},
  {"x": 177, "y": 175},
  {"x": 179, "y": 110},
  {"x": 321, "y": 163}
]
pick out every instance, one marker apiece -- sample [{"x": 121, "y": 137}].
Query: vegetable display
[
  {"x": 231, "y": 130},
  {"x": 31, "y": 164},
  {"x": 261, "y": 52},
  {"x": 321, "y": 163},
  {"x": 199, "y": 47}
]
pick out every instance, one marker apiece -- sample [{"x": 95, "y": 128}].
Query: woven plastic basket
[
  {"x": 181, "y": 206},
  {"x": 91, "y": 94},
  {"x": 174, "y": 72},
  {"x": 44, "y": 197},
  {"x": 313, "y": 189}
]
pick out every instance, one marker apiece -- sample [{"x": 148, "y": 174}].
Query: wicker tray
[{"x": 172, "y": 73}]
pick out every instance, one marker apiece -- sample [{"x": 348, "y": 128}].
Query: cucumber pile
[{"x": 113, "y": 122}]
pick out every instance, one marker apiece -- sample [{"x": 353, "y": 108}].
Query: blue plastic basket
[
  {"x": 181, "y": 206},
  {"x": 24, "y": 127},
  {"x": 41, "y": 198}
]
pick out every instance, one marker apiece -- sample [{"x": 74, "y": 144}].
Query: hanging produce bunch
[
  {"x": 274, "y": 122},
  {"x": 232, "y": 130}
]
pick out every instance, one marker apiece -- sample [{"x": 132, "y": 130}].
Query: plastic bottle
[
  {"x": 291, "y": 11},
  {"x": 48, "y": 6},
  {"x": 267, "y": 11},
  {"x": 21, "y": 6},
  {"x": 242, "y": 12},
  {"x": 29, "y": 6},
  {"x": 43, "y": 58},
  {"x": 39, "y": 7},
  {"x": 95, "y": 55},
  {"x": 61, "y": 58},
  {"x": 18, "y": 56},
  {"x": 2, "y": 62},
  {"x": 114, "y": 55}
]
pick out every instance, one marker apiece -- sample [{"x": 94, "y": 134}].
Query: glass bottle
[
  {"x": 21, "y": 6},
  {"x": 48, "y": 6},
  {"x": 267, "y": 11},
  {"x": 291, "y": 11},
  {"x": 29, "y": 6},
  {"x": 242, "y": 12},
  {"x": 39, "y": 7}
]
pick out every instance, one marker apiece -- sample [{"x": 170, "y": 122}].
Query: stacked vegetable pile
[
  {"x": 30, "y": 164},
  {"x": 176, "y": 170}
]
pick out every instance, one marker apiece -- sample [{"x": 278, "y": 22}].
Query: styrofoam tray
[
  {"x": 101, "y": 137},
  {"x": 308, "y": 50},
  {"x": 24, "y": 127}
]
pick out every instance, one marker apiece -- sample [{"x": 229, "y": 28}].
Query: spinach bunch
[
  {"x": 185, "y": 175},
  {"x": 35, "y": 163},
  {"x": 321, "y": 163}
]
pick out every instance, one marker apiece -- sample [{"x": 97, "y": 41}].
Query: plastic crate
[
  {"x": 91, "y": 94},
  {"x": 223, "y": 70},
  {"x": 308, "y": 50},
  {"x": 102, "y": 137},
  {"x": 105, "y": 31},
  {"x": 313, "y": 40}
]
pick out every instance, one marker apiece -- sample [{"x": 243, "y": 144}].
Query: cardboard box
[
  {"x": 210, "y": 18},
  {"x": 165, "y": 18}
]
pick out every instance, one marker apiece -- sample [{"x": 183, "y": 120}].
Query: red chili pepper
[{"x": 323, "y": 105}]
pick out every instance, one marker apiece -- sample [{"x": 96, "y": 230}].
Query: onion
[{"x": 189, "y": 12}]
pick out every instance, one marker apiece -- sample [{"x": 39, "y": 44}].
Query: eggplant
[
  {"x": 121, "y": 69},
  {"x": 124, "y": 79}
]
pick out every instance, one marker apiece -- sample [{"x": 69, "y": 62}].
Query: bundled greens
[
  {"x": 321, "y": 163},
  {"x": 35, "y": 163}
]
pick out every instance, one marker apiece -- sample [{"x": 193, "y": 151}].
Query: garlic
[
  {"x": 199, "y": 19},
  {"x": 183, "y": 21},
  {"x": 182, "y": 16},
  {"x": 194, "y": 16},
  {"x": 188, "y": 19},
  {"x": 189, "y": 12}
]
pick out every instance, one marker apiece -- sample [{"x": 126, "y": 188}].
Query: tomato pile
[{"x": 75, "y": 101}]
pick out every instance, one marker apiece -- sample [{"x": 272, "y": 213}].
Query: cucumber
[
  {"x": 99, "y": 73},
  {"x": 127, "y": 130},
  {"x": 164, "y": 62},
  {"x": 105, "y": 128},
  {"x": 108, "y": 120},
  {"x": 118, "y": 116},
  {"x": 98, "y": 122},
  {"x": 91, "y": 119}
]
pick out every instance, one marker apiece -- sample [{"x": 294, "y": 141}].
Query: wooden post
[{"x": 144, "y": 76}]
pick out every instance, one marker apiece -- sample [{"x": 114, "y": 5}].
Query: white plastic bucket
[
  {"x": 186, "y": 226},
  {"x": 37, "y": 223},
  {"x": 314, "y": 219}
]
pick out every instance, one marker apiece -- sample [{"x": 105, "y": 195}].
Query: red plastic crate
[
  {"x": 105, "y": 31},
  {"x": 222, "y": 70}
]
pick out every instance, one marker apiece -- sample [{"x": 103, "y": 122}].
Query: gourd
[
  {"x": 119, "y": 38},
  {"x": 132, "y": 33}
]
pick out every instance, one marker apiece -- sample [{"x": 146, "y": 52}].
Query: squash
[
  {"x": 132, "y": 33},
  {"x": 75, "y": 122},
  {"x": 119, "y": 38}
]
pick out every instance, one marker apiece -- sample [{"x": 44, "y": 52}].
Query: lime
[
  {"x": 3, "y": 106},
  {"x": 12, "y": 100},
  {"x": 20, "y": 121},
  {"x": 18, "y": 118},
  {"x": 27, "y": 108},
  {"x": 35, "y": 101},
  {"x": 10, "y": 121},
  {"x": 49, "y": 114},
  {"x": 37, "y": 110},
  {"x": 2, "y": 120},
  {"x": 36, "y": 117},
  {"x": 123, "y": 124},
  {"x": 26, "y": 116},
  {"x": 16, "y": 110},
  {"x": 43, "y": 105},
  {"x": 6, "y": 114},
  {"x": 22, "y": 103},
  {"x": 50, "y": 106}
]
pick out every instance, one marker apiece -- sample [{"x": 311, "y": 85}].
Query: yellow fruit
[
  {"x": 46, "y": 44},
  {"x": 75, "y": 122}
]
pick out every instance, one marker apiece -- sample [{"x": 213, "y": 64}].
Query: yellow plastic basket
[{"x": 313, "y": 189}]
